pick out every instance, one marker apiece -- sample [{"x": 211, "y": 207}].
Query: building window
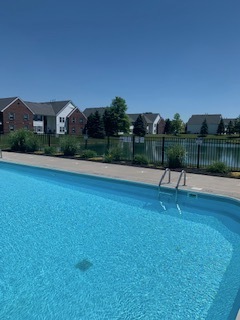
[
  {"x": 73, "y": 130},
  {"x": 38, "y": 129},
  {"x": 37, "y": 117},
  {"x": 11, "y": 116},
  {"x": 25, "y": 127},
  {"x": 62, "y": 129},
  {"x": 61, "y": 119},
  {"x": 11, "y": 127},
  {"x": 73, "y": 120},
  {"x": 81, "y": 120},
  {"x": 26, "y": 117}
]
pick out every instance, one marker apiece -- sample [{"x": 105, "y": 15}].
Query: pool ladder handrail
[
  {"x": 183, "y": 173},
  {"x": 163, "y": 176},
  {"x": 0, "y": 153}
]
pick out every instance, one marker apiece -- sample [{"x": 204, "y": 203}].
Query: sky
[{"x": 161, "y": 56}]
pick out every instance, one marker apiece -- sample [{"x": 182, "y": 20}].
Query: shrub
[
  {"x": 140, "y": 159},
  {"x": 89, "y": 154},
  {"x": 23, "y": 140},
  {"x": 114, "y": 154},
  {"x": 69, "y": 146},
  {"x": 49, "y": 150},
  {"x": 176, "y": 155},
  {"x": 218, "y": 167}
]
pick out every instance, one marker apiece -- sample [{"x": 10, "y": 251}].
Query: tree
[
  {"x": 177, "y": 124},
  {"x": 115, "y": 118},
  {"x": 95, "y": 126},
  {"x": 221, "y": 127},
  {"x": 168, "y": 126},
  {"x": 204, "y": 128},
  {"x": 139, "y": 128},
  {"x": 230, "y": 128},
  {"x": 109, "y": 122},
  {"x": 237, "y": 125}
]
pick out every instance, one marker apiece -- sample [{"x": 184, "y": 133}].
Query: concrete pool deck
[{"x": 195, "y": 182}]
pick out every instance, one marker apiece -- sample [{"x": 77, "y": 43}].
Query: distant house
[
  {"x": 40, "y": 117},
  {"x": 153, "y": 121},
  {"x": 226, "y": 122},
  {"x": 89, "y": 111},
  {"x": 14, "y": 115},
  {"x": 50, "y": 117},
  {"x": 76, "y": 122},
  {"x": 194, "y": 124}
]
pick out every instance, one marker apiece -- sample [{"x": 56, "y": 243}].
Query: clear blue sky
[{"x": 163, "y": 56}]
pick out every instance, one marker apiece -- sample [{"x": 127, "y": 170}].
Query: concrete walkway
[{"x": 202, "y": 183}]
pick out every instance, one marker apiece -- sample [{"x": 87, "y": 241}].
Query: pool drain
[{"x": 83, "y": 265}]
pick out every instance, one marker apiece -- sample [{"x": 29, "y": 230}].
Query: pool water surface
[{"x": 79, "y": 247}]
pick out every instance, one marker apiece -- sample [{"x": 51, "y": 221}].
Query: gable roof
[
  {"x": 227, "y": 120},
  {"x": 44, "y": 109},
  {"x": 133, "y": 116},
  {"x": 147, "y": 117},
  {"x": 89, "y": 111},
  {"x": 51, "y": 108},
  {"x": 5, "y": 102},
  {"x": 59, "y": 105},
  {"x": 78, "y": 110},
  {"x": 151, "y": 117},
  {"x": 197, "y": 119}
]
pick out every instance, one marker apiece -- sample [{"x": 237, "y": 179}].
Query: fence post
[
  {"x": 163, "y": 147},
  {"x": 198, "y": 155},
  {"x": 108, "y": 143},
  {"x": 49, "y": 140},
  {"x": 133, "y": 147}
]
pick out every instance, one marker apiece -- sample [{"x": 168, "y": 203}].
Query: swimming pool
[{"x": 79, "y": 247}]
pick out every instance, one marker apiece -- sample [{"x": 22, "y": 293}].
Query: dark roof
[
  {"x": 4, "y": 102},
  {"x": 148, "y": 117},
  {"x": 89, "y": 111},
  {"x": 133, "y": 116},
  {"x": 78, "y": 110},
  {"x": 197, "y": 119},
  {"x": 227, "y": 120},
  {"x": 43, "y": 109},
  {"x": 58, "y": 105},
  {"x": 51, "y": 108}
]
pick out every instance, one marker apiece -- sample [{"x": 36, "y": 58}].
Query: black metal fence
[{"x": 199, "y": 152}]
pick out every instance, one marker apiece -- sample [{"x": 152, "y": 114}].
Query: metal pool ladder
[
  {"x": 183, "y": 173},
  {"x": 167, "y": 170}
]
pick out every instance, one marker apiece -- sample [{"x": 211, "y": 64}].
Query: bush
[
  {"x": 140, "y": 159},
  {"x": 176, "y": 155},
  {"x": 49, "y": 150},
  {"x": 114, "y": 154},
  {"x": 23, "y": 140},
  {"x": 69, "y": 146},
  {"x": 89, "y": 154},
  {"x": 218, "y": 167}
]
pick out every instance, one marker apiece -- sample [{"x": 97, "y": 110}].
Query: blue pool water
[{"x": 78, "y": 247}]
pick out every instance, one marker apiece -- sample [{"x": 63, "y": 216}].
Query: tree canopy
[
  {"x": 237, "y": 125},
  {"x": 177, "y": 124},
  {"x": 230, "y": 128},
  {"x": 95, "y": 126},
  {"x": 221, "y": 127},
  {"x": 168, "y": 126},
  {"x": 115, "y": 118},
  {"x": 139, "y": 128},
  {"x": 204, "y": 127}
]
